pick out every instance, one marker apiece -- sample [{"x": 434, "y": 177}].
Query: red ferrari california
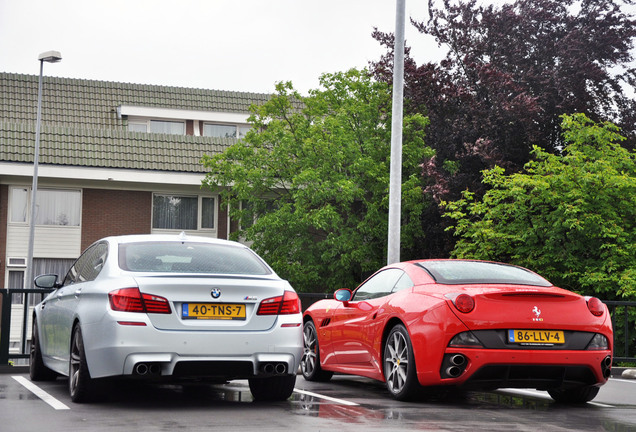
[{"x": 461, "y": 323}]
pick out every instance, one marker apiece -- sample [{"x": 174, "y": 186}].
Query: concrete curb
[
  {"x": 628, "y": 374},
  {"x": 7, "y": 369}
]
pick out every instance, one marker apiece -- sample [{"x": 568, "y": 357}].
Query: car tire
[
  {"x": 277, "y": 388},
  {"x": 400, "y": 372},
  {"x": 310, "y": 362},
  {"x": 80, "y": 384},
  {"x": 37, "y": 370},
  {"x": 577, "y": 395}
]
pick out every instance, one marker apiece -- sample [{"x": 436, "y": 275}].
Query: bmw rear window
[
  {"x": 190, "y": 257},
  {"x": 457, "y": 272}
]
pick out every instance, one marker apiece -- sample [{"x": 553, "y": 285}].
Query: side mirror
[
  {"x": 46, "y": 281},
  {"x": 343, "y": 295}
]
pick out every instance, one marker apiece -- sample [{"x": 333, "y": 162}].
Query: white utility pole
[{"x": 395, "y": 185}]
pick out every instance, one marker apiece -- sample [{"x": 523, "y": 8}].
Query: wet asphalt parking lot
[{"x": 343, "y": 404}]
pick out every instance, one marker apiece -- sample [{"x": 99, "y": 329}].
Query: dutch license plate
[
  {"x": 536, "y": 336},
  {"x": 226, "y": 311}
]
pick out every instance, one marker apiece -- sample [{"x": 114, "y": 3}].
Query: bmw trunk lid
[{"x": 204, "y": 302}]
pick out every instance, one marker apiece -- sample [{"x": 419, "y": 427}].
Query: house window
[
  {"x": 242, "y": 130},
  {"x": 179, "y": 212},
  {"x": 207, "y": 213},
  {"x": 167, "y": 127},
  {"x": 19, "y": 204},
  {"x": 58, "y": 266},
  {"x": 138, "y": 127},
  {"x": 16, "y": 280},
  {"x": 247, "y": 221},
  {"x": 157, "y": 126},
  {"x": 58, "y": 207},
  {"x": 219, "y": 130},
  {"x": 224, "y": 130},
  {"x": 53, "y": 206}
]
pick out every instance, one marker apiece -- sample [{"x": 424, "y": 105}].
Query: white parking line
[
  {"x": 526, "y": 392},
  {"x": 40, "y": 393},
  {"x": 340, "y": 401},
  {"x": 631, "y": 381}
]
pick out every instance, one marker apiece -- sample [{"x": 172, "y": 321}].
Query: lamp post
[
  {"x": 49, "y": 57},
  {"x": 395, "y": 182}
]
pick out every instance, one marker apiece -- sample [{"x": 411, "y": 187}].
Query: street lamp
[
  {"x": 49, "y": 57},
  {"x": 395, "y": 176}
]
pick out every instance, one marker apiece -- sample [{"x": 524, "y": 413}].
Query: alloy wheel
[
  {"x": 75, "y": 362},
  {"x": 396, "y": 362},
  {"x": 308, "y": 362}
]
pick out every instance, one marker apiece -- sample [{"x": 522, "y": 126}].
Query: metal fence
[{"x": 623, "y": 317}]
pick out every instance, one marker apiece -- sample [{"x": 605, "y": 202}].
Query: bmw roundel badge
[{"x": 216, "y": 293}]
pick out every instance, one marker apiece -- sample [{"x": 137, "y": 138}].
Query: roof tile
[{"x": 80, "y": 125}]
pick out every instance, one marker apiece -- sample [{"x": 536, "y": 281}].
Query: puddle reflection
[
  {"x": 317, "y": 407},
  {"x": 511, "y": 401}
]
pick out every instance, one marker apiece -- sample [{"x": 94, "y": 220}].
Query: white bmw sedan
[{"x": 168, "y": 308}]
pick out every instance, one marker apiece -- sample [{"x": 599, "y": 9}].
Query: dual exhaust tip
[
  {"x": 147, "y": 369},
  {"x": 454, "y": 365},
  {"x": 273, "y": 368},
  {"x": 606, "y": 366}
]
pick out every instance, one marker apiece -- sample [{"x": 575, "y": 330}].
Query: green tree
[
  {"x": 570, "y": 216},
  {"x": 511, "y": 70},
  {"x": 309, "y": 182}
]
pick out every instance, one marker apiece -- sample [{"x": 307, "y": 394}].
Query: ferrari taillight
[
  {"x": 132, "y": 300},
  {"x": 287, "y": 304},
  {"x": 598, "y": 342},
  {"x": 464, "y": 303},
  {"x": 595, "y": 306}
]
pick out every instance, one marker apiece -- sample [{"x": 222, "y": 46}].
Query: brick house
[{"x": 115, "y": 159}]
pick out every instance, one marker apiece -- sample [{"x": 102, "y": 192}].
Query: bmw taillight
[
  {"x": 595, "y": 306},
  {"x": 287, "y": 304},
  {"x": 132, "y": 300}
]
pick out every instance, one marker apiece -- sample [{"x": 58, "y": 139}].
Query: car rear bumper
[
  {"x": 116, "y": 349},
  {"x": 540, "y": 369}
]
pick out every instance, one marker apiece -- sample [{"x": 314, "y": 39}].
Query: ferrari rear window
[
  {"x": 457, "y": 272},
  {"x": 190, "y": 257}
]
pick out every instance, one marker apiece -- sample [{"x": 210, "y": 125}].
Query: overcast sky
[{"x": 239, "y": 45}]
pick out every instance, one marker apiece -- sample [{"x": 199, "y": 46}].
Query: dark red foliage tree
[{"x": 509, "y": 74}]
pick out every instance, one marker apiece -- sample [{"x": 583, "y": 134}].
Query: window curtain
[
  {"x": 175, "y": 212},
  {"x": 41, "y": 266},
  {"x": 221, "y": 131},
  {"x": 167, "y": 127},
  {"x": 58, "y": 207},
  {"x": 16, "y": 280},
  {"x": 19, "y": 204},
  {"x": 207, "y": 213}
]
